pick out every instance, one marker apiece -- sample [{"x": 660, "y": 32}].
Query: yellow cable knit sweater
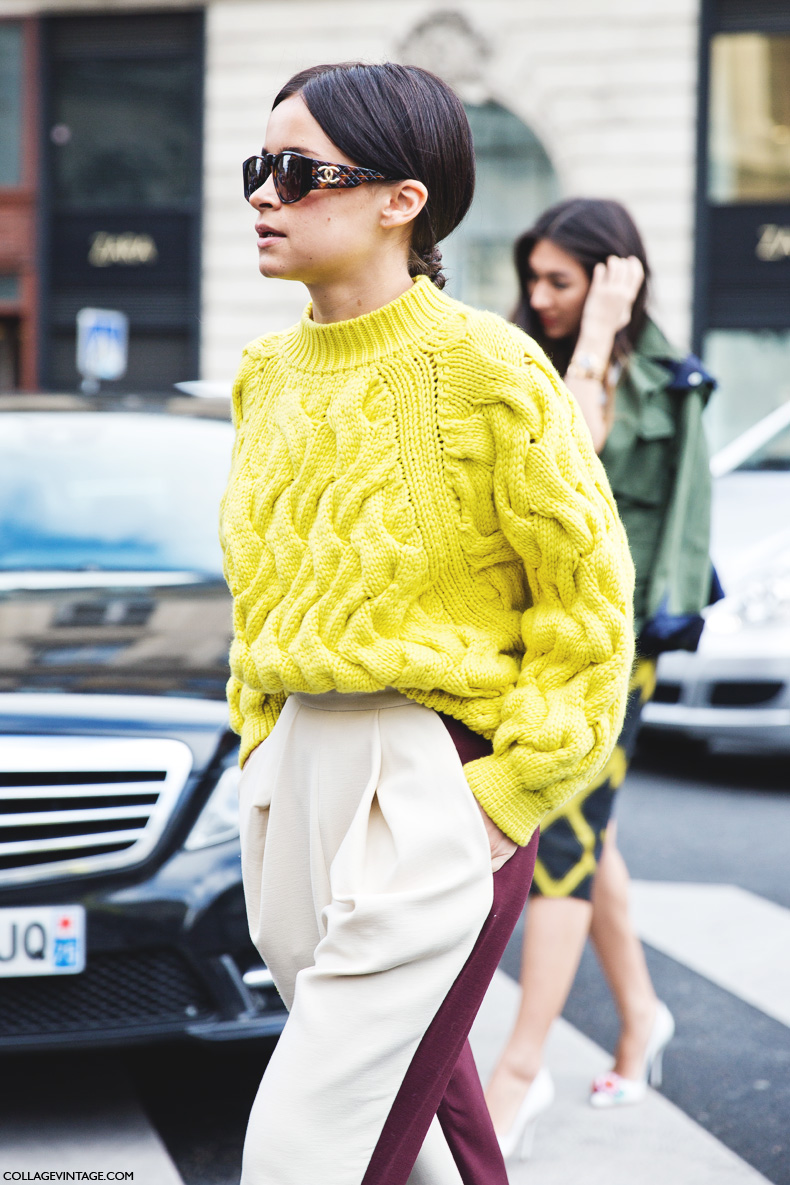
[{"x": 414, "y": 502}]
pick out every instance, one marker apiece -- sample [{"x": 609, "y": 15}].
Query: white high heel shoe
[
  {"x": 612, "y": 1090},
  {"x": 517, "y": 1143}
]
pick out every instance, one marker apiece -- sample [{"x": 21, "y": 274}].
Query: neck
[{"x": 353, "y": 296}]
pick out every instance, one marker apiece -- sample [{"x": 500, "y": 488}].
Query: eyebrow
[{"x": 294, "y": 148}]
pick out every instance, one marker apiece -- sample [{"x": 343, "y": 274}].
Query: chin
[{"x": 271, "y": 270}]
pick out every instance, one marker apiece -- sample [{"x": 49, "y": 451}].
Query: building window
[
  {"x": 123, "y": 133},
  {"x": 743, "y": 274},
  {"x": 9, "y": 288},
  {"x": 515, "y": 182},
  {"x": 749, "y": 145},
  {"x": 753, "y": 369},
  {"x": 17, "y": 213},
  {"x": 11, "y": 59}
]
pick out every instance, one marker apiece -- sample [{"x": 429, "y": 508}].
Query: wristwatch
[{"x": 586, "y": 366}]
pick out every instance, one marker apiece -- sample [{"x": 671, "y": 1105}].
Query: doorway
[{"x": 123, "y": 141}]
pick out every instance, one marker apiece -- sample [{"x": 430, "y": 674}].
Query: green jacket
[{"x": 656, "y": 459}]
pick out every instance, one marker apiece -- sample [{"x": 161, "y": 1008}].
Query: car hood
[
  {"x": 104, "y": 633},
  {"x": 750, "y": 524}
]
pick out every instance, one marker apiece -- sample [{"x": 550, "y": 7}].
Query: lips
[{"x": 267, "y": 234}]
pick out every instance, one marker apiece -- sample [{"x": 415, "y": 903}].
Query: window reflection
[
  {"x": 775, "y": 455},
  {"x": 111, "y": 492},
  {"x": 753, "y": 369},
  {"x": 123, "y": 133},
  {"x": 749, "y": 146}
]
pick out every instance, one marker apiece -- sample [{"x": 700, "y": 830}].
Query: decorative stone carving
[{"x": 447, "y": 44}]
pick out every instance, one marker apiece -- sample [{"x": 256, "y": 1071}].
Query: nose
[
  {"x": 266, "y": 197},
  {"x": 541, "y": 297}
]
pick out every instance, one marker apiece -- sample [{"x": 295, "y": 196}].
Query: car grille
[
  {"x": 744, "y": 695},
  {"x": 115, "y": 991},
  {"x": 75, "y": 805}
]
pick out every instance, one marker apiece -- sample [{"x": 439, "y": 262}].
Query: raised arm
[{"x": 607, "y": 309}]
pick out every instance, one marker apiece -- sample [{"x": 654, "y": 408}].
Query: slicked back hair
[{"x": 406, "y": 123}]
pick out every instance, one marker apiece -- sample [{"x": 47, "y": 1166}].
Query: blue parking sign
[{"x": 102, "y": 343}]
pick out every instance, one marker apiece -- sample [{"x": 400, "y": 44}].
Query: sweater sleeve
[
  {"x": 253, "y": 713},
  {"x": 560, "y": 722}
]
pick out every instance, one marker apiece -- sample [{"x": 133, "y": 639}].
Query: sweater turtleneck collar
[{"x": 388, "y": 330}]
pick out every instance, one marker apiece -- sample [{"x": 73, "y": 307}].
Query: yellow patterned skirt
[{"x": 571, "y": 837}]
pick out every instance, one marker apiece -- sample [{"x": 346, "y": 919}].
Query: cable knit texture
[{"x": 414, "y": 502}]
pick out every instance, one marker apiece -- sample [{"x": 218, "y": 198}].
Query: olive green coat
[{"x": 656, "y": 459}]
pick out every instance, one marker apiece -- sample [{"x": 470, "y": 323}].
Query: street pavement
[
  {"x": 707, "y": 844},
  {"x": 652, "y": 1144},
  {"x": 65, "y": 1117}
]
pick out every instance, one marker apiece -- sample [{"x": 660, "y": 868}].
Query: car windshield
[
  {"x": 114, "y": 491},
  {"x": 773, "y": 455}
]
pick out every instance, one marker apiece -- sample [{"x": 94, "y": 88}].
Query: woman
[
  {"x": 583, "y": 276},
  {"x": 432, "y": 613}
]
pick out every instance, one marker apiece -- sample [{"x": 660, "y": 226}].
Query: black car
[{"x": 121, "y": 906}]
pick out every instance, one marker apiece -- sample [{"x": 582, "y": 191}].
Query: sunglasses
[{"x": 295, "y": 175}]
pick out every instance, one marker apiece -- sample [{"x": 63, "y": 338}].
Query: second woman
[{"x": 583, "y": 276}]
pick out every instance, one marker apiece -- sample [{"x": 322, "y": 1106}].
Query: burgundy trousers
[{"x": 442, "y": 1079}]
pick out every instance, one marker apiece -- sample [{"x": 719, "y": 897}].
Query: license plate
[{"x": 42, "y": 940}]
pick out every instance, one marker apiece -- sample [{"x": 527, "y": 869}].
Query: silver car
[{"x": 734, "y": 692}]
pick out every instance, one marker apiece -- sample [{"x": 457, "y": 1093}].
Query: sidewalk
[{"x": 652, "y": 1144}]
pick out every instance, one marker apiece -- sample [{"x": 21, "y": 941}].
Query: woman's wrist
[
  {"x": 595, "y": 340},
  {"x": 591, "y": 356},
  {"x": 586, "y": 366}
]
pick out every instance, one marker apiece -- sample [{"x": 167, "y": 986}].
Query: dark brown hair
[
  {"x": 404, "y": 122},
  {"x": 589, "y": 229}
]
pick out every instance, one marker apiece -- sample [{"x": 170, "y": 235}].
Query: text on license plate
[{"x": 42, "y": 940}]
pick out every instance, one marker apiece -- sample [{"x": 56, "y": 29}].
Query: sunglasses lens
[
  {"x": 292, "y": 176},
  {"x": 255, "y": 170}
]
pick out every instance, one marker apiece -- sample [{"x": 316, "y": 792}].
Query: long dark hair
[
  {"x": 589, "y": 229},
  {"x": 404, "y": 122}
]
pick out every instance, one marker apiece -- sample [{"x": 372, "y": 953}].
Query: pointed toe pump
[
  {"x": 516, "y": 1144},
  {"x": 612, "y": 1090}
]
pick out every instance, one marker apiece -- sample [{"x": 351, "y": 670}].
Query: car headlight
[
  {"x": 219, "y": 819},
  {"x": 763, "y": 601}
]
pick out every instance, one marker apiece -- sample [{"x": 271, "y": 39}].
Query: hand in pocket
[{"x": 502, "y": 847}]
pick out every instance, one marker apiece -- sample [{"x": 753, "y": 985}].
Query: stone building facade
[
  {"x": 678, "y": 108},
  {"x": 608, "y": 89}
]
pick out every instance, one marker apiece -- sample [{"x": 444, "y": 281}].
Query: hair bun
[
  {"x": 434, "y": 262},
  {"x": 428, "y": 263}
]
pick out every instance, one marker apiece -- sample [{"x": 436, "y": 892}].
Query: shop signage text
[
  {"x": 773, "y": 242},
  {"x": 127, "y": 249}
]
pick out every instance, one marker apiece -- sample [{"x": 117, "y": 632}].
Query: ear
[{"x": 403, "y": 202}]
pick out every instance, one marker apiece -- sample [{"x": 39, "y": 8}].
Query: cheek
[
  {"x": 326, "y": 224},
  {"x": 572, "y": 301}
]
